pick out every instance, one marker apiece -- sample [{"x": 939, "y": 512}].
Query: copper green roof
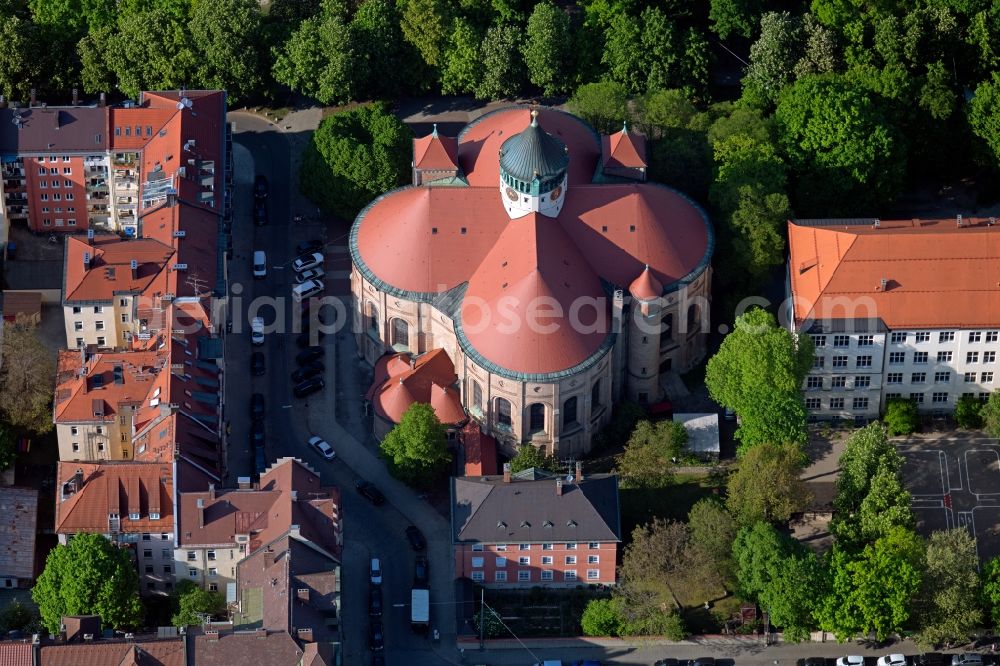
[{"x": 533, "y": 153}]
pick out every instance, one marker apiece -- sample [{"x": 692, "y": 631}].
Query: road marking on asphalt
[
  {"x": 278, "y": 267},
  {"x": 286, "y": 406}
]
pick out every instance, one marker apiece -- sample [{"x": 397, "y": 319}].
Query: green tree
[
  {"x": 773, "y": 58},
  {"x": 417, "y": 448},
  {"x": 867, "y": 451},
  {"x": 355, "y": 156},
  {"x": 462, "y": 68},
  {"x": 319, "y": 60},
  {"x": 662, "y": 110},
  {"x": 73, "y": 17},
  {"x": 885, "y": 507},
  {"x": 27, "y": 375},
  {"x": 842, "y": 142},
  {"x": 95, "y": 71},
  {"x": 388, "y": 58},
  {"x": 873, "y": 591},
  {"x": 758, "y": 551},
  {"x": 682, "y": 158},
  {"x": 227, "y": 33},
  {"x": 503, "y": 69},
  {"x": 968, "y": 412},
  {"x": 623, "y": 55},
  {"x": 194, "y": 604},
  {"x": 984, "y": 115},
  {"x": 990, "y": 414},
  {"x": 604, "y": 105},
  {"x": 651, "y": 452},
  {"x": 602, "y": 617},
  {"x": 20, "y": 70},
  {"x": 757, "y": 227},
  {"x": 712, "y": 533},
  {"x": 742, "y": 161},
  {"x": 90, "y": 575},
  {"x": 529, "y": 456},
  {"x": 734, "y": 17},
  {"x": 8, "y": 450},
  {"x": 426, "y": 24},
  {"x": 936, "y": 94},
  {"x": 951, "y": 609},
  {"x": 901, "y": 417},
  {"x": 658, "y": 551},
  {"x": 766, "y": 485},
  {"x": 151, "y": 49},
  {"x": 547, "y": 50},
  {"x": 758, "y": 372},
  {"x": 991, "y": 591},
  {"x": 18, "y": 617}
]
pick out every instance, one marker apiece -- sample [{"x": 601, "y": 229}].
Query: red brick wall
[
  {"x": 605, "y": 552},
  {"x": 36, "y": 214}
]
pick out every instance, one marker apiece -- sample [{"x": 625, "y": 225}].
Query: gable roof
[
  {"x": 435, "y": 152},
  {"x": 152, "y": 652},
  {"x": 277, "y": 648},
  {"x": 16, "y": 653},
  {"x": 98, "y": 389},
  {"x": 488, "y": 510},
  {"x": 114, "y": 488},
  {"x": 109, "y": 272},
  {"x": 54, "y": 129},
  {"x": 937, "y": 274},
  {"x": 624, "y": 150},
  {"x": 18, "y": 521}
]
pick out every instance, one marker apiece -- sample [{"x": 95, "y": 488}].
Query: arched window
[
  {"x": 372, "y": 316},
  {"x": 503, "y": 413},
  {"x": 400, "y": 335},
  {"x": 536, "y": 418},
  {"x": 569, "y": 413},
  {"x": 694, "y": 318},
  {"x": 595, "y": 397},
  {"x": 477, "y": 396}
]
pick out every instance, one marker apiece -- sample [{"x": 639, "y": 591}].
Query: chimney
[
  {"x": 134, "y": 265},
  {"x": 559, "y": 483},
  {"x": 201, "y": 513},
  {"x": 211, "y": 491},
  {"x": 260, "y": 633},
  {"x": 413, "y": 363},
  {"x": 958, "y": 219},
  {"x": 78, "y": 479},
  {"x": 34, "y": 97},
  {"x": 294, "y": 494},
  {"x": 506, "y": 472},
  {"x": 302, "y": 594},
  {"x": 87, "y": 638},
  {"x": 86, "y": 261},
  {"x": 293, "y": 530},
  {"x": 76, "y": 96},
  {"x": 244, "y": 483},
  {"x": 90, "y": 236},
  {"x": 103, "y": 100},
  {"x": 305, "y": 634},
  {"x": 62, "y": 632},
  {"x": 579, "y": 472}
]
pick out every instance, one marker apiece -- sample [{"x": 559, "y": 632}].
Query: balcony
[
  {"x": 13, "y": 184},
  {"x": 128, "y": 182},
  {"x": 124, "y": 161},
  {"x": 125, "y": 215},
  {"x": 11, "y": 171}
]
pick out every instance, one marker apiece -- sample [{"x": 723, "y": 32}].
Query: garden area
[{"x": 538, "y": 611}]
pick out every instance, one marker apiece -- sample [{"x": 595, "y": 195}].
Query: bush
[
  {"x": 968, "y": 412},
  {"x": 901, "y": 416},
  {"x": 602, "y": 617}
]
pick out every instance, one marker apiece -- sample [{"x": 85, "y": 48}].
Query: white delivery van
[{"x": 259, "y": 264}]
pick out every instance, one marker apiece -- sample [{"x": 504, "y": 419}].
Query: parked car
[
  {"x": 260, "y": 187},
  {"x": 369, "y": 492},
  {"x": 376, "y": 640},
  {"x": 308, "y": 387},
  {"x": 930, "y": 659},
  {"x": 260, "y": 215},
  {"x": 307, "y": 261},
  {"x": 308, "y": 338},
  {"x": 811, "y": 661},
  {"x": 421, "y": 572},
  {"x": 307, "y": 289},
  {"x": 666, "y": 662},
  {"x": 258, "y": 364},
  {"x": 704, "y": 661},
  {"x": 309, "y": 354},
  {"x": 375, "y": 601},
  {"x": 311, "y": 245},
  {"x": 416, "y": 539},
  {"x": 892, "y": 660},
  {"x": 257, "y": 331},
  {"x": 323, "y": 447},
  {"x": 257, "y": 406},
  {"x": 375, "y": 571},
  {"x": 310, "y": 274},
  {"x": 307, "y": 371},
  {"x": 259, "y": 264},
  {"x": 967, "y": 659},
  {"x": 378, "y": 658},
  {"x": 851, "y": 660}
]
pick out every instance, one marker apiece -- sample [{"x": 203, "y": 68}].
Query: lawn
[{"x": 640, "y": 505}]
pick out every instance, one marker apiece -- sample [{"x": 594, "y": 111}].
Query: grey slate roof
[
  {"x": 487, "y": 510},
  {"x": 54, "y": 129},
  {"x": 533, "y": 152}
]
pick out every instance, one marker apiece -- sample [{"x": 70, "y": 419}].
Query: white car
[
  {"x": 310, "y": 274},
  {"x": 852, "y": 660},
  {"x": 892, "y": 660},
  {"x": 376, "y": 571},
  {"x": 257, "y": 331},
  {"x": 323, "y": 447},
  {"x": 307, "y": 261},
  {"x": 307, "y": 289}
]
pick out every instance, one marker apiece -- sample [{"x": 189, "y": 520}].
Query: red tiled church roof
[
  {"x": 624, "y": 150},
  {"x": 435, "y": 152},
  {"x": 429, "y": 379}
]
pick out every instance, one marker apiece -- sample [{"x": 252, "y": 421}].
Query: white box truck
[{"x": 420, "y": 609}]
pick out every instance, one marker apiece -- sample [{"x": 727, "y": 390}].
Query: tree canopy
[
  {"x": 195, "y": 605},
  {"x": 649, "y": 605},
  {"x": 766, "y": 485},
  {"x": 417, "y": 448},
  {"x": 529, "y": 456},
  {"x": 758, "y": 372},
  {"x": 650, "y": 453},
  {"x": 26, "y": 380},
  {"x": 951, "y": 609},
  {"x": 88, "y": 576}
]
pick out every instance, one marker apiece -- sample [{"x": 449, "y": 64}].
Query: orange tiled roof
[
  {"x": 115, "y": 488},
  {"x": 624, "y": 150},
  {"x": 160, "y": 652},
  {"x": 15, "y": 653},
  {"x": 937, "y": 274},
  {"x": 435, "y": 153},
  {"x": 110, "y": 271},
  {"x": 111, "y": 380},
  {"x": 429, "y": 380},
  {"x": 646, "y": 287}
]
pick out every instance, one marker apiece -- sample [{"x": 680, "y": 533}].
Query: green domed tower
[{"x": 533, "y": 167}]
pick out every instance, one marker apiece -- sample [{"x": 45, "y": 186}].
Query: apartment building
[
  {"x": 536, "y": 529},
  {"x": 896, "y": 309}
]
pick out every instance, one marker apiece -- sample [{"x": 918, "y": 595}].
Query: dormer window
[
  {"x": 154, "y": 516},
  {"x": 133, "y": 516}
]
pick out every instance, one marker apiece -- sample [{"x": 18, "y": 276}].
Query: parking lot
[{"x": 954, "y": 479}]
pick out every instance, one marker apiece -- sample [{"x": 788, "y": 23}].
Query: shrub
[
  {"x": 967, "y": 412},
  {"x": 602, "y": 617},
  {"x": 901, "y": 416}
]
